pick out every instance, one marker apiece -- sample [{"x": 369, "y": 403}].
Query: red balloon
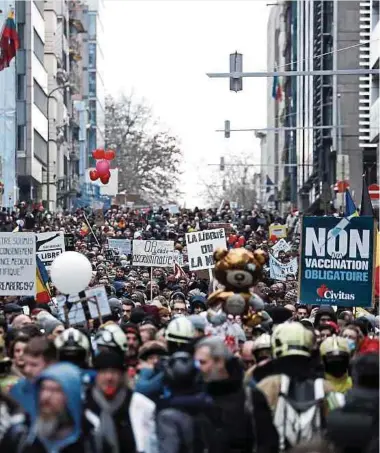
[
  {"x": 103, "y": 167},
  {"x": 105, "y": 179},
  {"x": 94, "y": 175},
  {"x": 109, "y": 154},
  {"x": 98, "y": 153},
  {"x": 241, "y": 241}
]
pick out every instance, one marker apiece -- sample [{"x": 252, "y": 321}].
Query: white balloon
[{"x": 71, "y": 272}]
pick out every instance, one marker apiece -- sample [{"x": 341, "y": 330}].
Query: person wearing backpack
[
  {"x": 290, "y": 406},
  {"x": 186, "y": 419}
]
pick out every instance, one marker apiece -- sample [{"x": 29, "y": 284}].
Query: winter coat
[
  {"x": 85, "y": 436},
  {"x": 187, "y": 424},
  {"x": 355, "y": 426}
]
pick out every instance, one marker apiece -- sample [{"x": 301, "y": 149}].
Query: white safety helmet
[
  {"x": 73, "y": 346},
  {"x": 180, "y": 330},
  {"x": 111, "y": 336},
  {"x": 262, "y": 342}
]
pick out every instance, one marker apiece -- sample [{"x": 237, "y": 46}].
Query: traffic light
[
  {"x": 222, "y": 164},
  {"x": 227, "y": 129},
  {"x": 236, "y": 66}
]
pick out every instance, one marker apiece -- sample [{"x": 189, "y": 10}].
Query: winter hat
[
  {"x": 198, "y": 322},
  {"x": 49, "y": 324},
  {"x": 152, "y": 347},
  {"x": 12, "y": 308},
  {"x": 178, "y": 295},
  {"x": 106, "y": 360}
]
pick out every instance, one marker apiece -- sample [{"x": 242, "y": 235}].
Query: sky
[{"x": 161, "y": 51}]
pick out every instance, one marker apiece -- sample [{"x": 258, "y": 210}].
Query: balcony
[
  {"x": 375, "y": 121},
  {"x": 75, "y": 49}
]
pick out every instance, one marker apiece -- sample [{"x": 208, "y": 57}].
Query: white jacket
[{"x": 142, "y": 415}]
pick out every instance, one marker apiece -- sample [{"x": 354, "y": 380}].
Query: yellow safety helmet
[
  {"x": 291, "y": 338},
  {"x": 334, "y": 346}
]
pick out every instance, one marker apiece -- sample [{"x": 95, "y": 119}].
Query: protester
[{"x": 159, "y": 370}]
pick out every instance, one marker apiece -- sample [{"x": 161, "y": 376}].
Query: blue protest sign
[{"x": 337, "y": 261}]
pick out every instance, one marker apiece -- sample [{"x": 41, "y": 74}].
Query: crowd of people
[{"x": 164, "y": 373}]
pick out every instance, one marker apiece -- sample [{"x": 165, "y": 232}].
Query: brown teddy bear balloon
[{"x": 238, "y": 270}]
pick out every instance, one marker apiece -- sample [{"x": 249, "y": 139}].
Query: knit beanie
[
  {"x": 109, "y": 360},
  {"x": 49, "y": 324}
]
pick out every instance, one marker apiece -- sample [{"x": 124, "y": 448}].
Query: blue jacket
[
  {"x": 22, "y": 393},
  {"x": 150, "y": 383},
  {"x": 69, "y": 377}
]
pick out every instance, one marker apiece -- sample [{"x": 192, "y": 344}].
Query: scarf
[{"x": 107, "y": 410}]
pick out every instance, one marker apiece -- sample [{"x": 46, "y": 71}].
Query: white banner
[
  {"x": 123, "y": 245},
  {"x": 279, "y": 271},
  {"x": 201, "y": 246},
  {"x": 49, "y": 246},
  {"x": 99, "y": 298},
  {"x": 153, "y": 253},
  {"x": 17, "y": 264},
  {"x": 279, "y": 246}
]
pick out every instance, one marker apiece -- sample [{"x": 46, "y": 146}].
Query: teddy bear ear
[
  {"x": 219, "y": 254},
  {"x": 260, "y": 256}
]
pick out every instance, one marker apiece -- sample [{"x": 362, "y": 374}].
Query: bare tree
[
  {"x": 148, "y": 158},
  {"x": 236, "y": 183}
]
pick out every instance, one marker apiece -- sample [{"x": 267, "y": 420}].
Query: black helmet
[{"x": 180, "y": 371}]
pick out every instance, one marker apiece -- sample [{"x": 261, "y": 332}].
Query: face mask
[{"x": 351, "y": 344}]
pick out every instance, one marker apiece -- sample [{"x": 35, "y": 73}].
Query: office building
[
  {"x": 374, "y": 63},
  {"x": 95, "y": 88},
  {"x": 317, "y": 105},
  {"x": 274, "y": 155}
]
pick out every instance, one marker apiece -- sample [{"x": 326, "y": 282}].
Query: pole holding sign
[{"x": 337, "y": 264}]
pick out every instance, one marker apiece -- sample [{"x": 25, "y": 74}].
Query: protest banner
[
  {"x": 228, "y": 228},
  {"x": 49, "y": 246},
  {"x": 17, "y": 264},
  {"x": 201, "y": 246},
  {"x": 280, "y": 246},
  {"x": 69, "y": 242},
  {"x": 98, "y": 302},
  {"x": 277, "y": 230},
  {"x": 122, "y": 245},
  {"x": 153, "y": 253},
  {"x": 279, "y": 271},
  {"x": 337, "y": 261}
]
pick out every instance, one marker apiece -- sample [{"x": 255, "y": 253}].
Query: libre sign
[
  {"x": 337, "y": 270},
  {"x": 201, "y": 246}
]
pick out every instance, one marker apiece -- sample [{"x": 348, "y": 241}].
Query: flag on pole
[
  {"x": 366, "y": 207},
  {"x": 179, "y": 272},
  {"x": 84, "y": 230},
  {"x": 269, "y": 184},
  {"x": 350, "y": 209},
  {"x": 43, "y": 294},
  {"x": 276, "y": 88},
  {"x": 9, "y": 42}
]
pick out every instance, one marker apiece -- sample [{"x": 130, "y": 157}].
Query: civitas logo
[{"x": 325, "y": 293}]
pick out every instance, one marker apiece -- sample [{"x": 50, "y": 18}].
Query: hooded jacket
[
  {"x": 85, "y": 437},
  {"x": 325, "y": 310}
]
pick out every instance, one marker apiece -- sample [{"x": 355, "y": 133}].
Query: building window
[
  {"x": 92, "y": 84},
  {"x": 39, "y": 47},
  {"x": 21, "y": 34},
  {"x": 20, "y": 137},
  {"x": 91, "y": 26},
  {"x": 92, "y": 112},
  {"x": 92, "y": 55},
  {"x": 40, "y": 98},
  {"x": 40, "y": 147},
  {"x": 20, "y": 87}
]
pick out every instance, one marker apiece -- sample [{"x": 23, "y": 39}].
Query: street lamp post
[{"x": 50, "y": 96}]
